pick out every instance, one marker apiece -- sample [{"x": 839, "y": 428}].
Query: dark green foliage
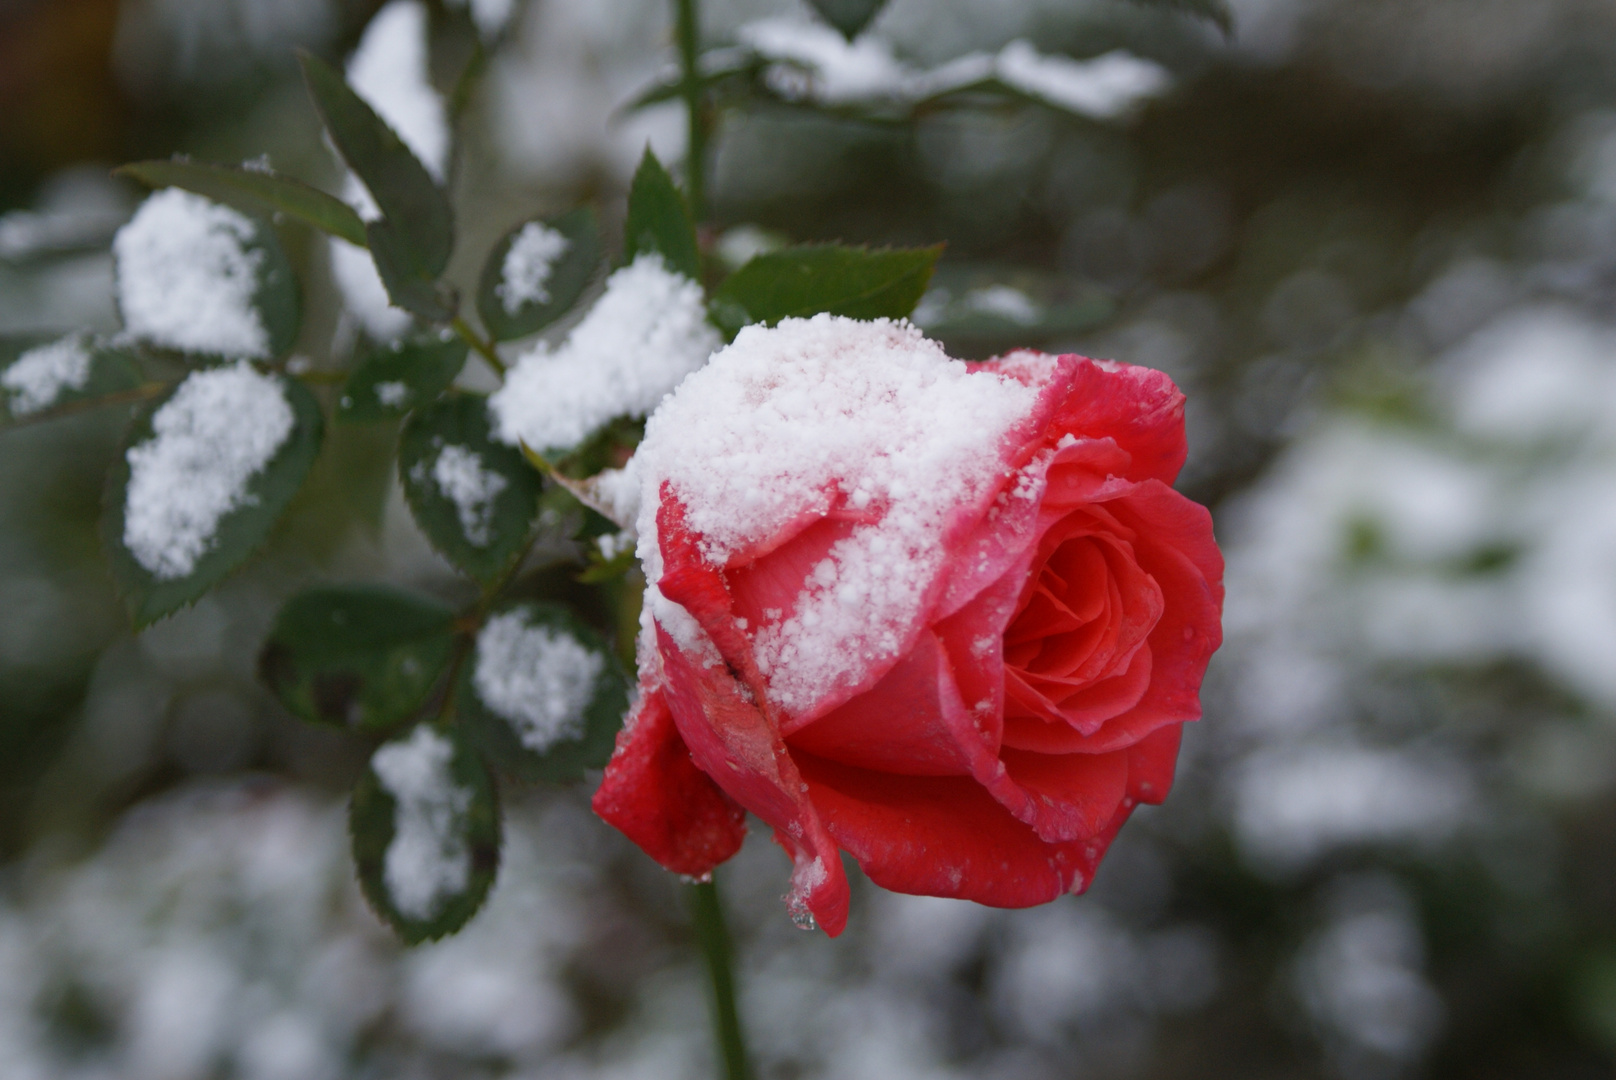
[
  {"x": 239, "y": 532},
  {"x": 357, "y": 656},
  {"x": 848, "y": 16},
  {"x": 372, "y": 823},
  {"x": 256, "y": 191},
  {"x": 497, "y": 535},
  {"x": 659, "y": 220},
  {"x": 111, "y": 370},
  {"x": 400, "y": 377},
  {"x": 564, "y": 761},
  {"x": 569, "y": 274},
  {"x": 1215, "y": 11},
  {"x": 413, "y": 241},
  {"x": 803, "y": 281}
]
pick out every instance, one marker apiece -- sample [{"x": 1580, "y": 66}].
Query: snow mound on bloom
[
  {"x": 824, "y": 412},
  {"x": 646, "y": 332}
]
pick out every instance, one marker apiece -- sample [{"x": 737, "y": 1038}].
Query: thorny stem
[
  {"x": 707, "y": 914},
  {"x": 689, "y": 31},
  {"x": 484, "y": 348}
]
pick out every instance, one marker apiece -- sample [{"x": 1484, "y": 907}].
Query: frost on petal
[
  {"x": 460, "y": 474},
  {"x": 524, "y": 276},
  {"x": 1102, "y": 88},
  {"x": 538, "y": 679},
  {"x": 218, "y": 431},
  {"x": 870, "y": 418},
  {"x": 646, "y": 333},
  {"x": 39, "y": 376},
  {"x": 428, "y": 861},
  {"x": 186, "y": 277}
]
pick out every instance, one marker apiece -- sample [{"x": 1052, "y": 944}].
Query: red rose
[{"x": 945, "y": 617}]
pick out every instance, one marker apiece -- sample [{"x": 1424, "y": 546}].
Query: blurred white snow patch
[
  {"x": 1431, "y": 619},
  {"x": 1295, "y": 804},
  {"x": 875, "y": 1034},
  {"x": 559, "y": 86},
  {"x": 538, "y": 679},
  {"x": 1064, "y": 966},
  {"x": 428, "y": 861},
  {"x": 39, "y": 376},
  {"x": 1104, "y": 88},
  {"x": 1567, "y": 582},
  {"x": 289, "y": 1045},
  {"x": 1535, "y": 374},
  {"x": 390, "y": 70},
  {"x": 1465, "y": 296},
  {"x": 181, "y": 1005},
  {"x": 186, "y": 276},
  {"x": 363, "y": 293},
  {"x": 1003, "y": 301},
  {"x": 1361, "y": 977},
  {"x": 459, "y": 473},
  {"x": 645, "y": 334},
  {"x": 524, "y": 276},
  {"x": 218, "y": 431},
  {"x": 491, "y": 16},
  {"x": 926, "y": 936},
  {"x": 814, "y": 61},
  {"x": 76, "y": 208}
]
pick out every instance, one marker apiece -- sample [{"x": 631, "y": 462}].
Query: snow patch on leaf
[
  {"x": 525, "y": 273},
  {"x": 538, "y": 679},
  {"x": 187, "y": 277},
  {"x": 428, "y": 861},
  {"x": 646, "y": 333},
  {"x": 464, "y": 480},
  {"x": 39, "y": 376},
  {"x": 218, "y": 431}
]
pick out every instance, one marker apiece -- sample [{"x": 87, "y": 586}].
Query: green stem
[
  {"x": 707, "y": 913},
  {"x": 689, "y": 31},
  {"x": 484, "y": 348}
]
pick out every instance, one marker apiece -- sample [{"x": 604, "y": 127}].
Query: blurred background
[{"x": 1375, "y": 242}]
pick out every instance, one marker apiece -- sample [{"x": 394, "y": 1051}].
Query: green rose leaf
[
  {"x": 203, "y": 476},
  {"x": 848, "y": 16},
  {"x": 357, "y": 656},
  {"x": 659, "y": 221},
  {"x": 39, "y": 374},
  {"x": 541, "y": 695},
  {"x": 537, "y": 272},
  {"x": 806, "y": 280},
  {"x": 425, "y": 827},
  {"x": 397, "y": 378},
  {"x": 474, "y": 498},
  {"x": 412, "y": 242},
  {"x": 257, "y": 191}
]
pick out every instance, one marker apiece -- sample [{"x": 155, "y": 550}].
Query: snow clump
[
  {"x": 525, "y": 273},
  {"x": 537, "y": 679},
  {"x": 428, "y": 861},
  {"x": 39, "y": 376}
]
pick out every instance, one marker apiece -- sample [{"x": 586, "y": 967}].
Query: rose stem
[
  {"x": 689, "y": 31},
  {"x": 707, "y": 914}
]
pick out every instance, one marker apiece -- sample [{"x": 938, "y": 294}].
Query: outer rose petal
[
  {"x": 654, "y": 794},
  {"x": 946, "y": 836}
]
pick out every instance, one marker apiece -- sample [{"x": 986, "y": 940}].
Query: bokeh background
[{"x": 1374, "y": 240}]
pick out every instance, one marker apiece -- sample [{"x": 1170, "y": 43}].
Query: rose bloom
[{"x": 948, "y": 618}]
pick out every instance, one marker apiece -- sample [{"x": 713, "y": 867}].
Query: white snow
[
  {"x": 1103, "y": 88},
  {"x": 393, "y": 394},
  {"x": 186, "y": 277},
  {"x": 37, "y": 378},
  {"x": 789, "y": 420},
  {"x": 645, "y": 333},
  {"x": 814, "y": 62},
  {"x": 537, "y": 679},
  {"x": 1005, "y": 302},
  {"x": 221, "y": 427},
  {"x": 491, "y": 16},
  {"x": 525, "y": 273},
  {"x": 428, "y": 861},
  {"x": 390, "y": 71},
  {"x": 464, "y": 480}
]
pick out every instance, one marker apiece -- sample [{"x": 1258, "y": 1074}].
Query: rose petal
[
  {"x": 945, "y": 836},
  {"x": 1138, "y": 407},
  {"x": 733, "y": 742},
  {"x": 654, "y": 794},
  {"x": 1076, "y": 793},
  {"x": 1151, "y": 763}
]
